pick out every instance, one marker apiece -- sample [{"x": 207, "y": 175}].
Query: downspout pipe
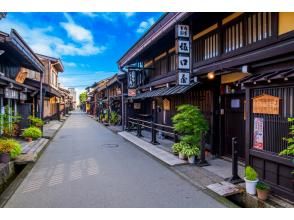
[{"x": 123, "y": 99}]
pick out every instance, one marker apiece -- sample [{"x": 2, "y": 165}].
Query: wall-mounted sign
[
  {"x": 132, "y": 92},
  {"x": 182, "y": 30},
  {"x": 184, "y": 46},
  {"x": 184, "y": 62},
  {"x": 118, "y": 91},
  {"x": 184, "y": 78},
  {"x": 137, "y": 105},
  {"x": 11, "y": 94},
  {"x": 132, "y": 79},
  {"x": 258, "y": 133},
  {"x": 183, "y": 54},
  {"x": 166, "y": 104},
  {"x": 23, "y": 96},
  {"x": 21, "y": 76},
  {"x": 235, "y": 103},
  {"x": 266, "y": 104}
]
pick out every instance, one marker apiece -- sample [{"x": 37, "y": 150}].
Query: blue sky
[{"x": 89, "y": 44}]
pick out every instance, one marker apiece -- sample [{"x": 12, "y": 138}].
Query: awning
[
  {"x": 165, "y": 91},
  {"x": 268, "y": 77}
]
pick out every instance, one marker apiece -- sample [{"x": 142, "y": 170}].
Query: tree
[
  {"x": 83, "y": 97},
  {"x": 290, "y": 150},
  {"x": 190, "y": 123}
]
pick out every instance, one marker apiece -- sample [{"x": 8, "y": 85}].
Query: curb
[
  {"x": 205, "y": 190},
  {"x": 13, "y": 186}
]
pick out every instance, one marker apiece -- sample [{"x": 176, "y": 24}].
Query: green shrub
[
  {"x": 10, "y": 146},
  {"x": 191, "y": 151},
  {"x": 176, "y": 148},
  {"x": 190, "y": 123},
  {"x": 250, "y": 173},
  {"x": 262, "y": 186},
  {"x": 36, "y": 122},
  {"x": 114, "y": 118},
  {"x": 32, "y": 132},
  {"x": 290, "y": 150}
]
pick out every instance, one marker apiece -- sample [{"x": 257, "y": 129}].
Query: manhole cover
[{"x": 110, "y": 145}]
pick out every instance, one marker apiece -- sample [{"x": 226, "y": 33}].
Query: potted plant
[
  {"x": 182, "y": 148},
  {"x": 32, "y": 133},
  {"x": 250, "y": 180},
  {"x": 262, "y": 190},
  {"x": 35, "y": 121},
  {"x": 191, "y": 152},
  {"x": 9, "y": 148},
  {"x": 176, "y": 148}
]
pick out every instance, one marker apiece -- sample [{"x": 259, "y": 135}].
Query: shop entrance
[{"x": 234, "y": 123}]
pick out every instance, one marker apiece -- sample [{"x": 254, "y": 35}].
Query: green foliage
[
  {"x": 32, "y": 132},
  {"x": 10, "y": 146},
  {"x": 35, "y": 121},
  {"x": 290, "y": 150},
  {"x": 114, "y": 118},
  {"x": 177, "y": 147},
  {"x": 9, "y": 122},
  {"x": 190, "y": 151},
  {"x": 250, "y": 173},
  {"x": 262, "y": 186},
  {"x": 190, "y": 123},
  {"x": 83, "y": 97}
]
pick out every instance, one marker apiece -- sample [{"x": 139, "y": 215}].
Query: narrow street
[{"x": 86, "y": 165}]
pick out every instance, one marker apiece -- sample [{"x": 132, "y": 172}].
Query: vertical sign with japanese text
[
  {"x": 258, "y": 133},
  {"x": 183, "y": 54}
]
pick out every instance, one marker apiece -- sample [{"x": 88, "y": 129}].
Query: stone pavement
[
  {"x": 154, "y": 150},
  {"x": 49, "y": 129},
  {"x": 87, "y": 165}
]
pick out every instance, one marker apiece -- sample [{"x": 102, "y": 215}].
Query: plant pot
[
  {"x": 181, "y": 156},
  {"x": 262, "y": 194},
  {"x": 4, "y": 157},
  {"x": 251, "y": 186},
  {"x": 29, "y": 139},
  {"x": 191, "y": 159}
]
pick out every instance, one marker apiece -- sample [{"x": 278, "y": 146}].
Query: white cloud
[
  {"x": 43, "y": 41},
  {"x": 129, "y": 14},
  {"x": 70, "y": 64},
  {"x": 145, "y": 25},
  {"x": 90, "y": 14},
  {"x": 76, "y": 32}
]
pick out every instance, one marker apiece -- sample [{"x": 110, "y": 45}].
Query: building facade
[{"x": 229, "y": 65}]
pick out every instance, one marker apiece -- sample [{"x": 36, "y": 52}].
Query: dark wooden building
[{"x": 236, "y": 63}]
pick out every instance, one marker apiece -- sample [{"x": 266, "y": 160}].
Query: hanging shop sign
[
  {"x": 183, "y": 44},
  {"x": 132, "y": 79},
  {"x": 137, "y": 105},
  {"x": 11, "y": 94},
  {"x": 21, "y": 75},
  {"x": 132, "y": 92},
  {"x": 182, "y": 30},
  {"x": 258, "y": 133},
  {"x": 166, "y": 104},
  {"x": 266, "y": 104},
  {"x": 118, "y": 91},
  {"x": 184, "y": 62},
  {"x": 23, "y": 96},
  {"x": 184, "y": 78}
]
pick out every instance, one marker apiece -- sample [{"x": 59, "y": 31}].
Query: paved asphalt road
[{"x": 82, "y": 167}]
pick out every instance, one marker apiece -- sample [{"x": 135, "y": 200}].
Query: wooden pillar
[{"x": 247, "y": 125}]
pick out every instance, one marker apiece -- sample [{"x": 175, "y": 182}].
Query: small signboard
[
  {"x": 21, "y": 76},
  {"x": 132, "y": 92},
  {"x": 184, "y": 78},
  {"x": 184, "y": 62},
  {"x": 137, "y": 105},
  {"x": 132, "y": 79},
  {"x": 11, "y": 94},
  {"x": 266, "y": 104},
  {"x": 184, "y": 46},
  {"x": 258, "y": 133},
  {"x": 166, "y": 104},
  {"x": 182, "y": 30}
]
